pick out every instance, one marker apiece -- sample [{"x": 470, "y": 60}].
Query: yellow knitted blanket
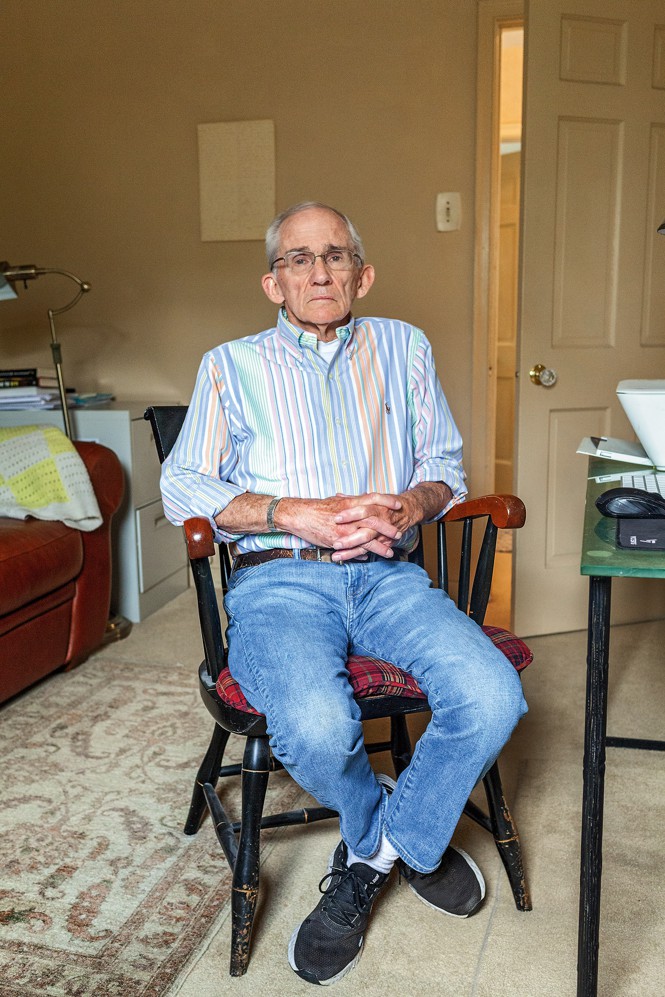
[{"x": 42, "y": 475}]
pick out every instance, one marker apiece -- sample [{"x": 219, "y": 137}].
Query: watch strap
[{"x": 270, "y": 515}]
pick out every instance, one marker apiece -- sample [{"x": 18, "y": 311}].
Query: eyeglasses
[{"x": 303, "y": 262}]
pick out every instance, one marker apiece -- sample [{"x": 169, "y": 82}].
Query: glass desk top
[{"x": 600, "y": 554}]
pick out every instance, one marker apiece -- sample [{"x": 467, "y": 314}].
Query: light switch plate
[{"x": 448, "y": 212}]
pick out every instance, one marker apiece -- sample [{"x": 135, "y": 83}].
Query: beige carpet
[
  {"x": 100, "y": 892},
  {"x": 409, "y": 949}
]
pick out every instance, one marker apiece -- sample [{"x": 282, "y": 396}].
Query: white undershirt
[{"x": 328, "y": 350}]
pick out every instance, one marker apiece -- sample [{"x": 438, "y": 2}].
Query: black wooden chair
[{"x": 381, "y": 689}]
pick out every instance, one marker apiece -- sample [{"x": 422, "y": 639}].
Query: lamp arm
[
  {"x": 57, "y": 363},
  {"x": 28, "y": 272},
  {"x": 83, "y": 287}
]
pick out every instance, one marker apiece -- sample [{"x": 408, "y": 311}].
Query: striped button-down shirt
[{"x": 270, "y": 416}]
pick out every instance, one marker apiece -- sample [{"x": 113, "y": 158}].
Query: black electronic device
[
  {"x": 631, "y": 503},
  {"x": 641, "y": 534}
]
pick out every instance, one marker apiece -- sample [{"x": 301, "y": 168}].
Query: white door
[{"x": 592, "y": 278}]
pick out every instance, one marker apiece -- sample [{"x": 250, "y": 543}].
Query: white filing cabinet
[{"x": 149, "y": 556}]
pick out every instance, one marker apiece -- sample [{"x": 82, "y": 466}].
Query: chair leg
[
  {"x": 208, "y": 772},
  {"x": 255, "y": 771},
  {"x": 400, "y": 742},
  {"x": 506, "y": 838}
]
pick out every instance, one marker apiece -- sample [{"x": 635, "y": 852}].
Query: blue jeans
[{"x": 292, "y": 625}]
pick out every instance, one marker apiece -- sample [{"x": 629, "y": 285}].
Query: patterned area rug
[{"x": 100, "y": 892}]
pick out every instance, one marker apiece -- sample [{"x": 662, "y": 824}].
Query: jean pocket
[{"x": 239, "y": 575}]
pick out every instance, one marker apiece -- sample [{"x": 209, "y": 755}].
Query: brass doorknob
[{"x": 545, "y": 376}]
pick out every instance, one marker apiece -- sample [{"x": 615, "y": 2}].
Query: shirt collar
[{"x": 297, "y": 339}]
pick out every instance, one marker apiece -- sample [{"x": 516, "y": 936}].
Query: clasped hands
[
  {"x": 352, "y": 525},
  {"x": 356, "y": 525}
]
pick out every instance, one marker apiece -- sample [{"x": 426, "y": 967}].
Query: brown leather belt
[{"x": 324, "y": 554}]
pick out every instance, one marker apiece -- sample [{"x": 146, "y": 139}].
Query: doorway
[
  {"x": 503, "y": 288},
  {"x": 592, "y": 191},
  {"x": 507, "y": 249}
]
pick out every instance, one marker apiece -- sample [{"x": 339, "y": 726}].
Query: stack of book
[
  {"x": 29, "y": 387},
  {"x": 28, "y": 377}
]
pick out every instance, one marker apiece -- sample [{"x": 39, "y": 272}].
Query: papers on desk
[
  {"x": 48, "y": 398},
  {"x": 611, "y": 449},
  {"x": 29, "y": 398}
]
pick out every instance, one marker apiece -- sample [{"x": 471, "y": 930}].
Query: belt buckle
[{"x": 324, "y": 555}]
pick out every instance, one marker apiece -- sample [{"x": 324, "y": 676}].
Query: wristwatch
[{"x": 270, "y": 515}]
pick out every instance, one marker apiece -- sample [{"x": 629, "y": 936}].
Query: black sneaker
[
  {"x": 457, "y": 887},
  {"x": 329, "y": 942}
]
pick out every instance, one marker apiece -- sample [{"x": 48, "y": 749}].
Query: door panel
[
  {"x": 586, "y": 229},
  {"x": 653, "y": 315},
  {"x": 565, "y": 483},
  {"x": 592, "y": 301}
]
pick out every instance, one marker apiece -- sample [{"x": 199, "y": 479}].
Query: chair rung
[
  {"x": 645, "y": 744},
  {"x": 237, "y": 768},
  {"x": 291, "y": 817},
  {"x": 230, "y": 770},
  {"x": 475, "y": 813},
  {"x": 221, "y": 823},
  {"x": 378, "y": 746},
  {"x": 226, "y": 770}
]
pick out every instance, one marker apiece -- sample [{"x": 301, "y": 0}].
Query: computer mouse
[{"x": 633, "y": 503}]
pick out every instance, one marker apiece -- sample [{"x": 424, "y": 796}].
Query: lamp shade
[{"x": 6, "y": 289}]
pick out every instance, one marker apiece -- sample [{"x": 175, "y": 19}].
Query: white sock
[{"x": 382, "y": 861}]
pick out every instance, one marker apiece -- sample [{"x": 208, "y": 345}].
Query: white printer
[{"x": 644, "y": 404}]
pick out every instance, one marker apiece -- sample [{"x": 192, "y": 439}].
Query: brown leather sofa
[{"x": 55, "y": 584}]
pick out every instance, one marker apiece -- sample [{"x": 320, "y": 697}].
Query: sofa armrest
[
  {"x": 90, "y": 609},
  {"x": 106, "y": 476}
]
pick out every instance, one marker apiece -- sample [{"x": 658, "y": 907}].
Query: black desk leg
[{"x": 594, "y": 783}]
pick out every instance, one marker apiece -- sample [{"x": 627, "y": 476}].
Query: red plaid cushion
[
  {"x": 517, "y": 652},
  {"x": 372, "y": 677}
]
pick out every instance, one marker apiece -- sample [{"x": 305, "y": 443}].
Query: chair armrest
[
  {"x": 200, "y": 548},
  {"x": 507, "y": 512},
  {"x": 198, "y": 537}
]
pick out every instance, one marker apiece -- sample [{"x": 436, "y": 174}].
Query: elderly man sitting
[{"x": 316, "y": 448}]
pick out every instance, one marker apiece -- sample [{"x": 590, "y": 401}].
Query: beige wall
[{"x": 373, "y": 104}]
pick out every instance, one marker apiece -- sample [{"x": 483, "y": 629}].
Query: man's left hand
[{"x": 412, "y": 507}]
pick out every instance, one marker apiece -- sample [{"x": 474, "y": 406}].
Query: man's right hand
[{"x": 370, "y": 531}]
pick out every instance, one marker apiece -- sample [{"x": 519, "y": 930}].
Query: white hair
[{"x": 272, "y": 234}]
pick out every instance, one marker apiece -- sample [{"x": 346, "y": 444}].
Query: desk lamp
[
  {"x": 9, "y": 275},
  {"x": 117, "y": 626}
]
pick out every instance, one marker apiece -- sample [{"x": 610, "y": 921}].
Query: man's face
[{"x": 320, "y": 300}]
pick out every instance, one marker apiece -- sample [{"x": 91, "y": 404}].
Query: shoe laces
[{"x": 347, "y": 895}]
